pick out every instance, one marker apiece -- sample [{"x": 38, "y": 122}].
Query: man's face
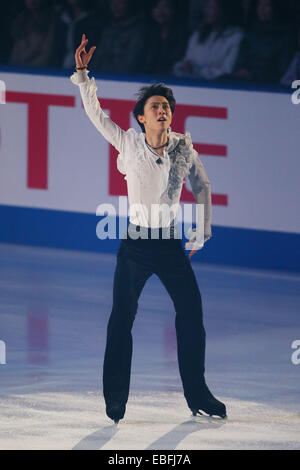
[{"x": 157, "y": 114}]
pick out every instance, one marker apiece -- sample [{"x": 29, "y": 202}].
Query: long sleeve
[
  {"x": 202, "y": 193},
  {"x": 109, "y": 129}
]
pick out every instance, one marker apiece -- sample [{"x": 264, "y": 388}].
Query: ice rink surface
[{"x": 54, "y": 310}]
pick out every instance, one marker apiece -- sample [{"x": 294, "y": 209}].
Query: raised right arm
[{"x": 88, "y": 90}]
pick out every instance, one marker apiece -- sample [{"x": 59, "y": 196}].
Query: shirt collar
[{"x": 173, "y": 139}]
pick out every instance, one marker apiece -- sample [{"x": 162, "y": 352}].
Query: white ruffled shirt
[{"x": 152, "y": 188}]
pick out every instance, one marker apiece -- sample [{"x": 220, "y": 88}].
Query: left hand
[
  {"x": 193, "y": 251},
  {"x": 196, "y": 246}
]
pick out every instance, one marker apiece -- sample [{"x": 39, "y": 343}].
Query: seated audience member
[
  {"x": 38, "y": 36},
  {"x": 267, "y": 46},
  {"x": 293, "y": 71},
  {"x": 212, "y": 49},
  {"x": 78, "y": 19},
  {"x": 195, "y": 14},
  {"x": 120, "y": 48},
  {"x": 9, "y": 11},
  {"x": 247, "y": 12},
  {"x": 165, "y": 39}
]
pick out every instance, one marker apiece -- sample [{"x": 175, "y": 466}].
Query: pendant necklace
[{"x": 159, "y": 161}]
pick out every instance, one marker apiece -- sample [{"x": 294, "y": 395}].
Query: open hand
[{"x": 82, "y": 57}]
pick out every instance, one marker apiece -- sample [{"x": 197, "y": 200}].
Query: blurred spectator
[
  {"x": 38, "y": 36},
  {"x": 102, "y": 9},
  {"x": 120, "y": 48},
  {"x": 195, "y": 15},
  {"x": 138, "y": 6},
  {"x": 293, "y": 71},
  {"x": 213, "y": 48},
  {"x": 78, "y": 19},
  {"x": 248, "y": 9},
  {"x": 246, "y": 5},
  {"x": 9, "y": 11},
  {"x": 165, "y": 38},
  {"x": 237, "y": 10},
  {"x": 240, "y": 11},
  {"x": 266, "y": 49},
  {"x": 4, "y": 43}
]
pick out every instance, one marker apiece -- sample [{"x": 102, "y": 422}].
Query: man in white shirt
[{"x": 155, "y": 163}]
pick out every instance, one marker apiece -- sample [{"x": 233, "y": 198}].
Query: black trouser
[{"x": 137, "y": 260}]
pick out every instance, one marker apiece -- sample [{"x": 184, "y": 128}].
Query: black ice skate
[
  {"x": 115, "y": 411},
  {"x": 209, "y": 404}
]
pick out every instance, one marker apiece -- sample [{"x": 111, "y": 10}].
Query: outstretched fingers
[
  {"x": 82, "y": 45},
  {"x": 91, "y": 52},
  {"x": 78, "y": 53},
  {"x": 81, "y": 55}
]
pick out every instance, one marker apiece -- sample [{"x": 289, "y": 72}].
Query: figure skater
[{"x": 155, "y": 163}]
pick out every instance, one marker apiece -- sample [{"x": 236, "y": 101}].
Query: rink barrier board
[
  {"x": 260, "y": 249},
  {"x": 228, "y": 84}
]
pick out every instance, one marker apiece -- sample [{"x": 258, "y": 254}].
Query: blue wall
[{"x": 77, "y": 231}]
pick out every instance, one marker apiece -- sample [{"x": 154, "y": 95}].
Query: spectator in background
[
  {"x": 165, "y": 38},
  {"x": 120, "y": 48},
  {"x": 78, "y": 18},
  {"x": 247, "y": 12},
  {"x": 293, "y": 71},
  {"x": 238, "y": 10},
  {"x": 38, "y": 36},
  {"x": 213, "y": 47},
  {"x": 9, "y": 11},
  {"x": 102, "y": 10},
  {"x": 195, "y": 15},
  {"x": 266, "y": 49}
]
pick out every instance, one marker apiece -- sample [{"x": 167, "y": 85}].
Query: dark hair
[
  {"x": 173, "y": 4},
  {"x": 87, "y": 5},
  {"x": 205, "y": 29},
  {"x": 159, "y": 89}
]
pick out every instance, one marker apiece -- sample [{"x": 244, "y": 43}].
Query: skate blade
[
  {"x": 197, "y": 412},
  {"x": 208, "y": 415}
]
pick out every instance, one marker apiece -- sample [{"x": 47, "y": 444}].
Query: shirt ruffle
[
  {"x": 181, "y": 159},
  {"x": 80, "y": 77}
]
